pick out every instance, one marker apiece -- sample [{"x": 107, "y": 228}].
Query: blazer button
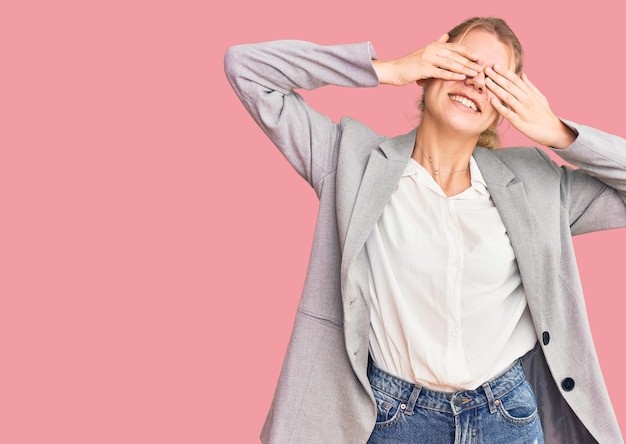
[
  {"x": 568, "y": 384},
  {"x": 546, "y": 337}
]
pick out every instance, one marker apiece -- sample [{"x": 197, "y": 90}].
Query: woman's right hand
[{"x": 438, "y": 60}]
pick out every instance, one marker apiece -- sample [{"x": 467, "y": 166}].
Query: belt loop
[
  {"x": 410, "y": 404},
  {"x": 490, "y": 399}
]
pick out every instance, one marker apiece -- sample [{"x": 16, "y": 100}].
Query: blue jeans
[{"x": 503, "y": 410}]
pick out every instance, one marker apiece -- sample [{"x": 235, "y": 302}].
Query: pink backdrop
[{"x": 154, "y": 243}]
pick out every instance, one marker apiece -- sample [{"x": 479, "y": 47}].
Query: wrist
[
  {"x": 383, "y": 71},
  {"x": 564, "y": 137}
]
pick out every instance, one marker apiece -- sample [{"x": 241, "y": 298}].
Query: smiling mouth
[{"x": 465, "y": 102}]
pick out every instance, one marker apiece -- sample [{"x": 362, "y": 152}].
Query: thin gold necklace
[{"x": 436, "y": 170}]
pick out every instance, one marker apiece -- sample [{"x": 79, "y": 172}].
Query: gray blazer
[{"x": 323, "y": 394}]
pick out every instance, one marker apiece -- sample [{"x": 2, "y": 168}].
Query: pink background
[{"x": 154, "y": 243}]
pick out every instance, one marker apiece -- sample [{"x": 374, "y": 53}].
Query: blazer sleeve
[
  {"x": 265, "y": 75},
  {"x": 595, "y": 192}
]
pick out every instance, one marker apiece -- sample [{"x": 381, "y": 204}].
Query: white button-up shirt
[{"x": 448, "y": 309}]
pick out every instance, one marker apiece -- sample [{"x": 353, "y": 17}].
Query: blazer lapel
[
  {"x": 383, "y": 170},
  {"x": 509, "y": 197}
]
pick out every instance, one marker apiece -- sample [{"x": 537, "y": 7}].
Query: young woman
[{"x": 442, "y": 302}]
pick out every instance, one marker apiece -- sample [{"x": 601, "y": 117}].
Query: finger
[
  {"x": 502, "y": 94},
  {"x": 503, "y": 110},
  {"x": 465, "y": 61},
  {"x": 455, "y": 67},
  {"x": 498, "y": 78},
  {"x": 456, "y": 62},
  {"x": 506, "y": 90},
  {"x": 447, "y": 74},
  {"x": 463, "y": 50},
  {"x": 505, "y": 75}
]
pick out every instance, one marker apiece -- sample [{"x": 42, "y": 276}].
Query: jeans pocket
[
  {"x": 519, "y": 406},
  {"x": 388, "y": 409}
]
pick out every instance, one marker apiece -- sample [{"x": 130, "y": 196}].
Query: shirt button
[
  {"x": 456, "y": 262},
  {"x": 455, "y": 332}
]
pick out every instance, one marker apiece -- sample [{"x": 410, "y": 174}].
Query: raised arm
[
  {"x": 595, "y": 193},
  {"x": 265, "y": 75}
]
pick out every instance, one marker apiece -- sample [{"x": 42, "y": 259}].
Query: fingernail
[{"x": 496, "y": 66}]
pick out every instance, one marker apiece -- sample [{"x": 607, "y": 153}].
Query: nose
[{"x": 477, "y": 82}]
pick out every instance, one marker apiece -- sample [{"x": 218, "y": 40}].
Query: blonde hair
[{"x": 498, "y": 27}]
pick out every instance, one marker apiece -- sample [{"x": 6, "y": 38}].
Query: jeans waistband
[{"x": 449, "y": 402}]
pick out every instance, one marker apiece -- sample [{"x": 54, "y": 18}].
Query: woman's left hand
[{"x": 522, "y": 104}]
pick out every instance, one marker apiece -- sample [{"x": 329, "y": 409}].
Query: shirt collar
[{"x": 477, "y": 179}]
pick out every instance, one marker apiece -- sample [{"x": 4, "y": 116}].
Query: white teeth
[{"x": 464, "y": 101}]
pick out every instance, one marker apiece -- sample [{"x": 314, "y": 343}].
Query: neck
[{"x": 445, "y": 155}]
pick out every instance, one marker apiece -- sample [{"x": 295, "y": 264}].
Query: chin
[{"x": 469, "y": 129}]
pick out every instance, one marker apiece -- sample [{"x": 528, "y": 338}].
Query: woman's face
[{"x": 464, "y": 105}]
